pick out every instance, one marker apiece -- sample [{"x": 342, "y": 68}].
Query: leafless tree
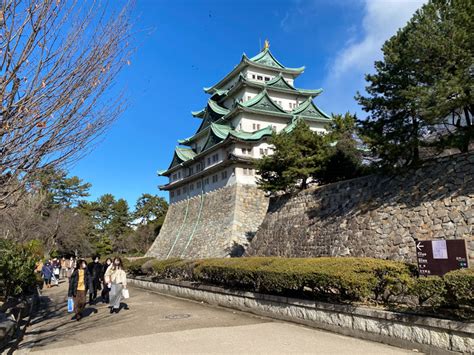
[
  {"x": 59, "y": 228},
  {"x": 58, "y": 59}
]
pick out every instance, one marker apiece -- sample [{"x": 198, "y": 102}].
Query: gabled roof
[
  {"x": 266, "y": 58},
  {"x": 217, "y": 134},
  {"x": 181, "y": 154},
  {"x": 278, "y": 84},
  {"x": 263, "y": 60},
  {"x": 211, "y": 108},
  {"x": 262, "y": 102},
  {"x": 310, "y": 110}
]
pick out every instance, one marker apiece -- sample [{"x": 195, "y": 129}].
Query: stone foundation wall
[
  {"x": 374, "y": 216},
  {"x": 216, "y": 224}
]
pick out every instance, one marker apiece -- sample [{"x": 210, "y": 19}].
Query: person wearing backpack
[{"x": 79, "y": 284}]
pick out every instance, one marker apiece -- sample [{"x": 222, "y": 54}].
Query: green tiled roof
[
  {"x": 217, "y": 133},
  {"x": 185, "y": 153},
  {"x": 266, "y": 58},
  {"x": 262, "y": 102},
  {"x": 310, "y": 110},
  {"x": 213, "y": 106}
]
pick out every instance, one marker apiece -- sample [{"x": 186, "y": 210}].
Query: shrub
[
  {"x": 333, "y": 279},
  {"x": 460, "y": 287},
  {"x": 17, "y": 266},
  {"x": 340, "y": 279},
  {"x": 134, "y": 267},
  {"x": 430, "y": 290}
]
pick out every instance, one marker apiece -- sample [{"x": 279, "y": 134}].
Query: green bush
[
  {"x": 17, "y": 266},
  {"x": 430, "y": 290},
  {"x": 340, "y": 279},
  {"x": 134, "y": 267},
  {"x": 333, "y": 279},
  {"x": 460, "y": 287}
]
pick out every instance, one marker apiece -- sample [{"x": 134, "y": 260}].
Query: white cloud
[{"x": 382, "y": 19}]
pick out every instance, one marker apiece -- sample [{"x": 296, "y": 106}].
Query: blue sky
[{"x": 182, "y": 46}]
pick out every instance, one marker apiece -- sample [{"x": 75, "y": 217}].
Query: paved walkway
[{"x": 161, "y": 324}]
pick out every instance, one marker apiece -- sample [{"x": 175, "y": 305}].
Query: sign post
[{"x": 437, "y": 257}]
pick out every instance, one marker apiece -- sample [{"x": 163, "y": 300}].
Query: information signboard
[{"x": 437, "y": 257}]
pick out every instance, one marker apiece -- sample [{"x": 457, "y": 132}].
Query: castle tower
[{"x": 215, "y": 206}]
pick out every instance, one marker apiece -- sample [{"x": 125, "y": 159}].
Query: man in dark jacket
[
  {"x": 95, "y": 271},
  {"x": 79, "y": 283}
]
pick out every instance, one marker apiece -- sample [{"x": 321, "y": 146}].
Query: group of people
[
  {"x": 52, "y": 270},
  {"x": 109, "y": 278}
]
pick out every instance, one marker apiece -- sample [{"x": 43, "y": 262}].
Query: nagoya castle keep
[{"x": 215, "y": 206}]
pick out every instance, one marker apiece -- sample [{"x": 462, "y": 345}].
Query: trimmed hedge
[
  {"x": 332, "y": 279},
  {"x": 460, "y": 287}
]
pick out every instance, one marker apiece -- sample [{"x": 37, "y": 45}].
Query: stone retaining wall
[
  {"x": 216, "y": 224},
  {"x": 426, "y": 334},
  {"x": 374, "y": 216}
]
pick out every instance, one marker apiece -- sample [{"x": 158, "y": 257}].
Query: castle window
[
  {"x": 259, "y": 77},
  {"x": 178, "y": 192},
  {"x": 224, "y": 175},
  {"x": 248, "y": 98},
  {"x": 208, "y": 161},
  {"x": 198, "y": 184},
  {"x": 179, "y": 174},
  {"x": 215, "y": 158},
  {"x": 172, "y": 193},
  {"x": 191, "y": 187},
  {"x": 267, "y": 78},
  {"x": 175, "y": 177},
  {"x": 206, "y": 181},
  {"x": 185, "y": 189},
  {"x": 256, "y": 126},
  {"x": 214, "y": 178}
]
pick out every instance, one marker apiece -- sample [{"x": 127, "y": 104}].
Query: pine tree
[
  {"x": 298, "y": 156},
  {"x": 422, "y": 91}
]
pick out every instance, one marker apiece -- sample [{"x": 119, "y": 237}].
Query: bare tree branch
[{"x": 58, "y": 59}]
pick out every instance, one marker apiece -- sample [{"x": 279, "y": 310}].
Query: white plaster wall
[
  {"x": 266, "y": 73},
  {"x": 241, "y": 178},
  {"x": 207, "y": 184}
]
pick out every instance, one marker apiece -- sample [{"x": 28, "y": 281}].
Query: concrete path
[{"x": 165, "y": 325}]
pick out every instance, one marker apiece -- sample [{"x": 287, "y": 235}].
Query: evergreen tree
[
  {"x": 62, "y": 191},
  {"x": 150, "y": 208},
  {"x": 344, "y": 159},
  {"x": 422, "y": 91},
  {"x": 298, "y": 156}
]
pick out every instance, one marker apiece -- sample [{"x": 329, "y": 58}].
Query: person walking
[
  {"x": 105, "y": 281},
  {"x": 47, "y": 273},
  {"x": 95, "y": 270},
  {"x": 56, "y": 271},
  {"x": 118, "y": 281},
  {"x": 72, "y": 266},
  {"x": 79, "y": 283},
  {"x": 63, "y": 267}
]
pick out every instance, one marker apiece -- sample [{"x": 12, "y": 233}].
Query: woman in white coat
[{"x": 117, "y": 278}]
